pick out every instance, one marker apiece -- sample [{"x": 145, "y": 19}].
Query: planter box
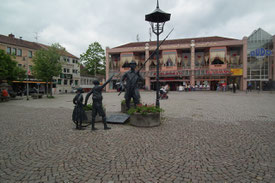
[
  {"x": 97, "y": 118},
  {"x": 124, "y": 108},
  {"x": 147, "y": 120}
]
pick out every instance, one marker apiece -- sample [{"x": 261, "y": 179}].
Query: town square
[{"x": 137, "y": 91}]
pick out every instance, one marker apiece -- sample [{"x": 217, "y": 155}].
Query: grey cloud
[{"x": 76, "y": 24}]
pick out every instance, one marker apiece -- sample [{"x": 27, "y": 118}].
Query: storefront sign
[
  {"x": 260, "y": 52},
  {"x": 237, "y": 72},
  {"x": 218, "y": 72}
]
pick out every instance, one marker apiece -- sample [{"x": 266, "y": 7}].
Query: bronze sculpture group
[{"x": 131, "y": 91}]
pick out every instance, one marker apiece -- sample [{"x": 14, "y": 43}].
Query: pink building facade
[{"x": 205, "y": 63}]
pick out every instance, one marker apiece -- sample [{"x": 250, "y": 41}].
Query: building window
[
  {"x": 13, "y": 51},
  {"x": 19, "y": 65},
  {"x": 65, "y": 81},
  {"x": 59, "y": 81},
  {"x": 30, "y": 54},
  {"x": 19, "y": 52},
  {"x": 68, "y": 70},
  {"x": 64, "y": 70},
  {"x": 8, "y": 50},
  {"x": 71, "y": 82},
  {"x": 76, "y": 82}
]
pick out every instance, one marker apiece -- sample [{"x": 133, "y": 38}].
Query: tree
[
  {"x": 47, "y": 63},
  {"x": 8, "y": 68},
  {"x": 94, "y": 59}
]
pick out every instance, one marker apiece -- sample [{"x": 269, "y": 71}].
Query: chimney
[{"x": 11, "y": 35}]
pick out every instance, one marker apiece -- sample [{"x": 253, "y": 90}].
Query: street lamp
[{"x": 157, "y": 20}]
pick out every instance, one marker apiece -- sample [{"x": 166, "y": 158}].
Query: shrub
[
  {"x": 50, "y": 97},
  {"x": 145, "y": 109},
  {"x": 123, "y": 102},
  {"x": 88, "y": 107}
]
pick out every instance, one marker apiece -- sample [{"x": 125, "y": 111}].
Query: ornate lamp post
[{"x": 157, "y": 20}]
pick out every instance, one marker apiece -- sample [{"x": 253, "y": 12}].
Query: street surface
[{"x": 204, "y": 137}]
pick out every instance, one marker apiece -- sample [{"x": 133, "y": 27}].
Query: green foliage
[
  {"x": 46, "y": 62},
  {"x": 123, "y": 102},
  {"x": 145, "y": 109},
  {"x": 94, "y": 59},
  {"x": 9, "y": 69},
  {"x": 88, "y": 107},
  {"x": 50, "y": 97}
]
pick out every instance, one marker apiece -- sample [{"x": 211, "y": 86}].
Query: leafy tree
[
  {"x": 47, "y": 63},
  {"x": 8, "y": 68},
  {"x": 94, "y": 59}
]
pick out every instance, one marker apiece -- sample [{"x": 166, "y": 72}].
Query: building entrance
[{"x": 214, "y": 85}]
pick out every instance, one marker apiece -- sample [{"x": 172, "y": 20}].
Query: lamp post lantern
[{"x": 157, "y": 20}]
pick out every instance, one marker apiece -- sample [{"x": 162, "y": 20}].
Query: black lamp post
[{"x": 157, "y": 20}]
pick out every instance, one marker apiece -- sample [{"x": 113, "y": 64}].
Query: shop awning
[{"x": 41, "y": 82}]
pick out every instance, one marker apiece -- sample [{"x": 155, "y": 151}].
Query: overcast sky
[{"x": 77, "y": 23}]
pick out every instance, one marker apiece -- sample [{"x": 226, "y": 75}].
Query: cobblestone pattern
[{"x": 39, "y": 144}]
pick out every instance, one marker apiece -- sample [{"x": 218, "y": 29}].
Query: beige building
[{"x": 24, "y": 51}]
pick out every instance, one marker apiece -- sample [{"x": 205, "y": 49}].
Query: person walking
[{"x": 234, "y": 87}]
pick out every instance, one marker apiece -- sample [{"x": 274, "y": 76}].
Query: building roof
[
  {"x": 178, "y": 41},
  {"x": 18, "y": 42},
  {"x": 11, "y": 40},
  {"x": 63, "y": 53}
]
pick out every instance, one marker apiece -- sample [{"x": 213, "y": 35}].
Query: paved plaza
[{"x": 204, "y": 137}]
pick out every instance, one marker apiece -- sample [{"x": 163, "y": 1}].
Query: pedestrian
[
  {"x": 97, "y": 102},
  {"x": 234, "y": 87},
  {"x": 258, "y": 88},
  {"x": 79, "y": 114}
]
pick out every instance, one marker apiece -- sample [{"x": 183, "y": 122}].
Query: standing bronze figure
[
  {"x": 131, "y": 89},
  {"x": 97, "y": 103},
  {"x": 79, "y": 114}
]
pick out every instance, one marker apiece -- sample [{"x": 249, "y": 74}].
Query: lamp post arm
[{"x": 150, "y": 56}]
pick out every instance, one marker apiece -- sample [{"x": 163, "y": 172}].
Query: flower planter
[{"x": 145, "y": 120}]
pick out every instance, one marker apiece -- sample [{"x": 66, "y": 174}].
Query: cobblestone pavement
[{"x": 204, "y": 137}]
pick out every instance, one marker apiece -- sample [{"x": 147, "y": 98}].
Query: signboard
[
  {"x": 118, "y": 118},
  {"x": 260, "y": 52},
  {"x": 237, "y": 72}
]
